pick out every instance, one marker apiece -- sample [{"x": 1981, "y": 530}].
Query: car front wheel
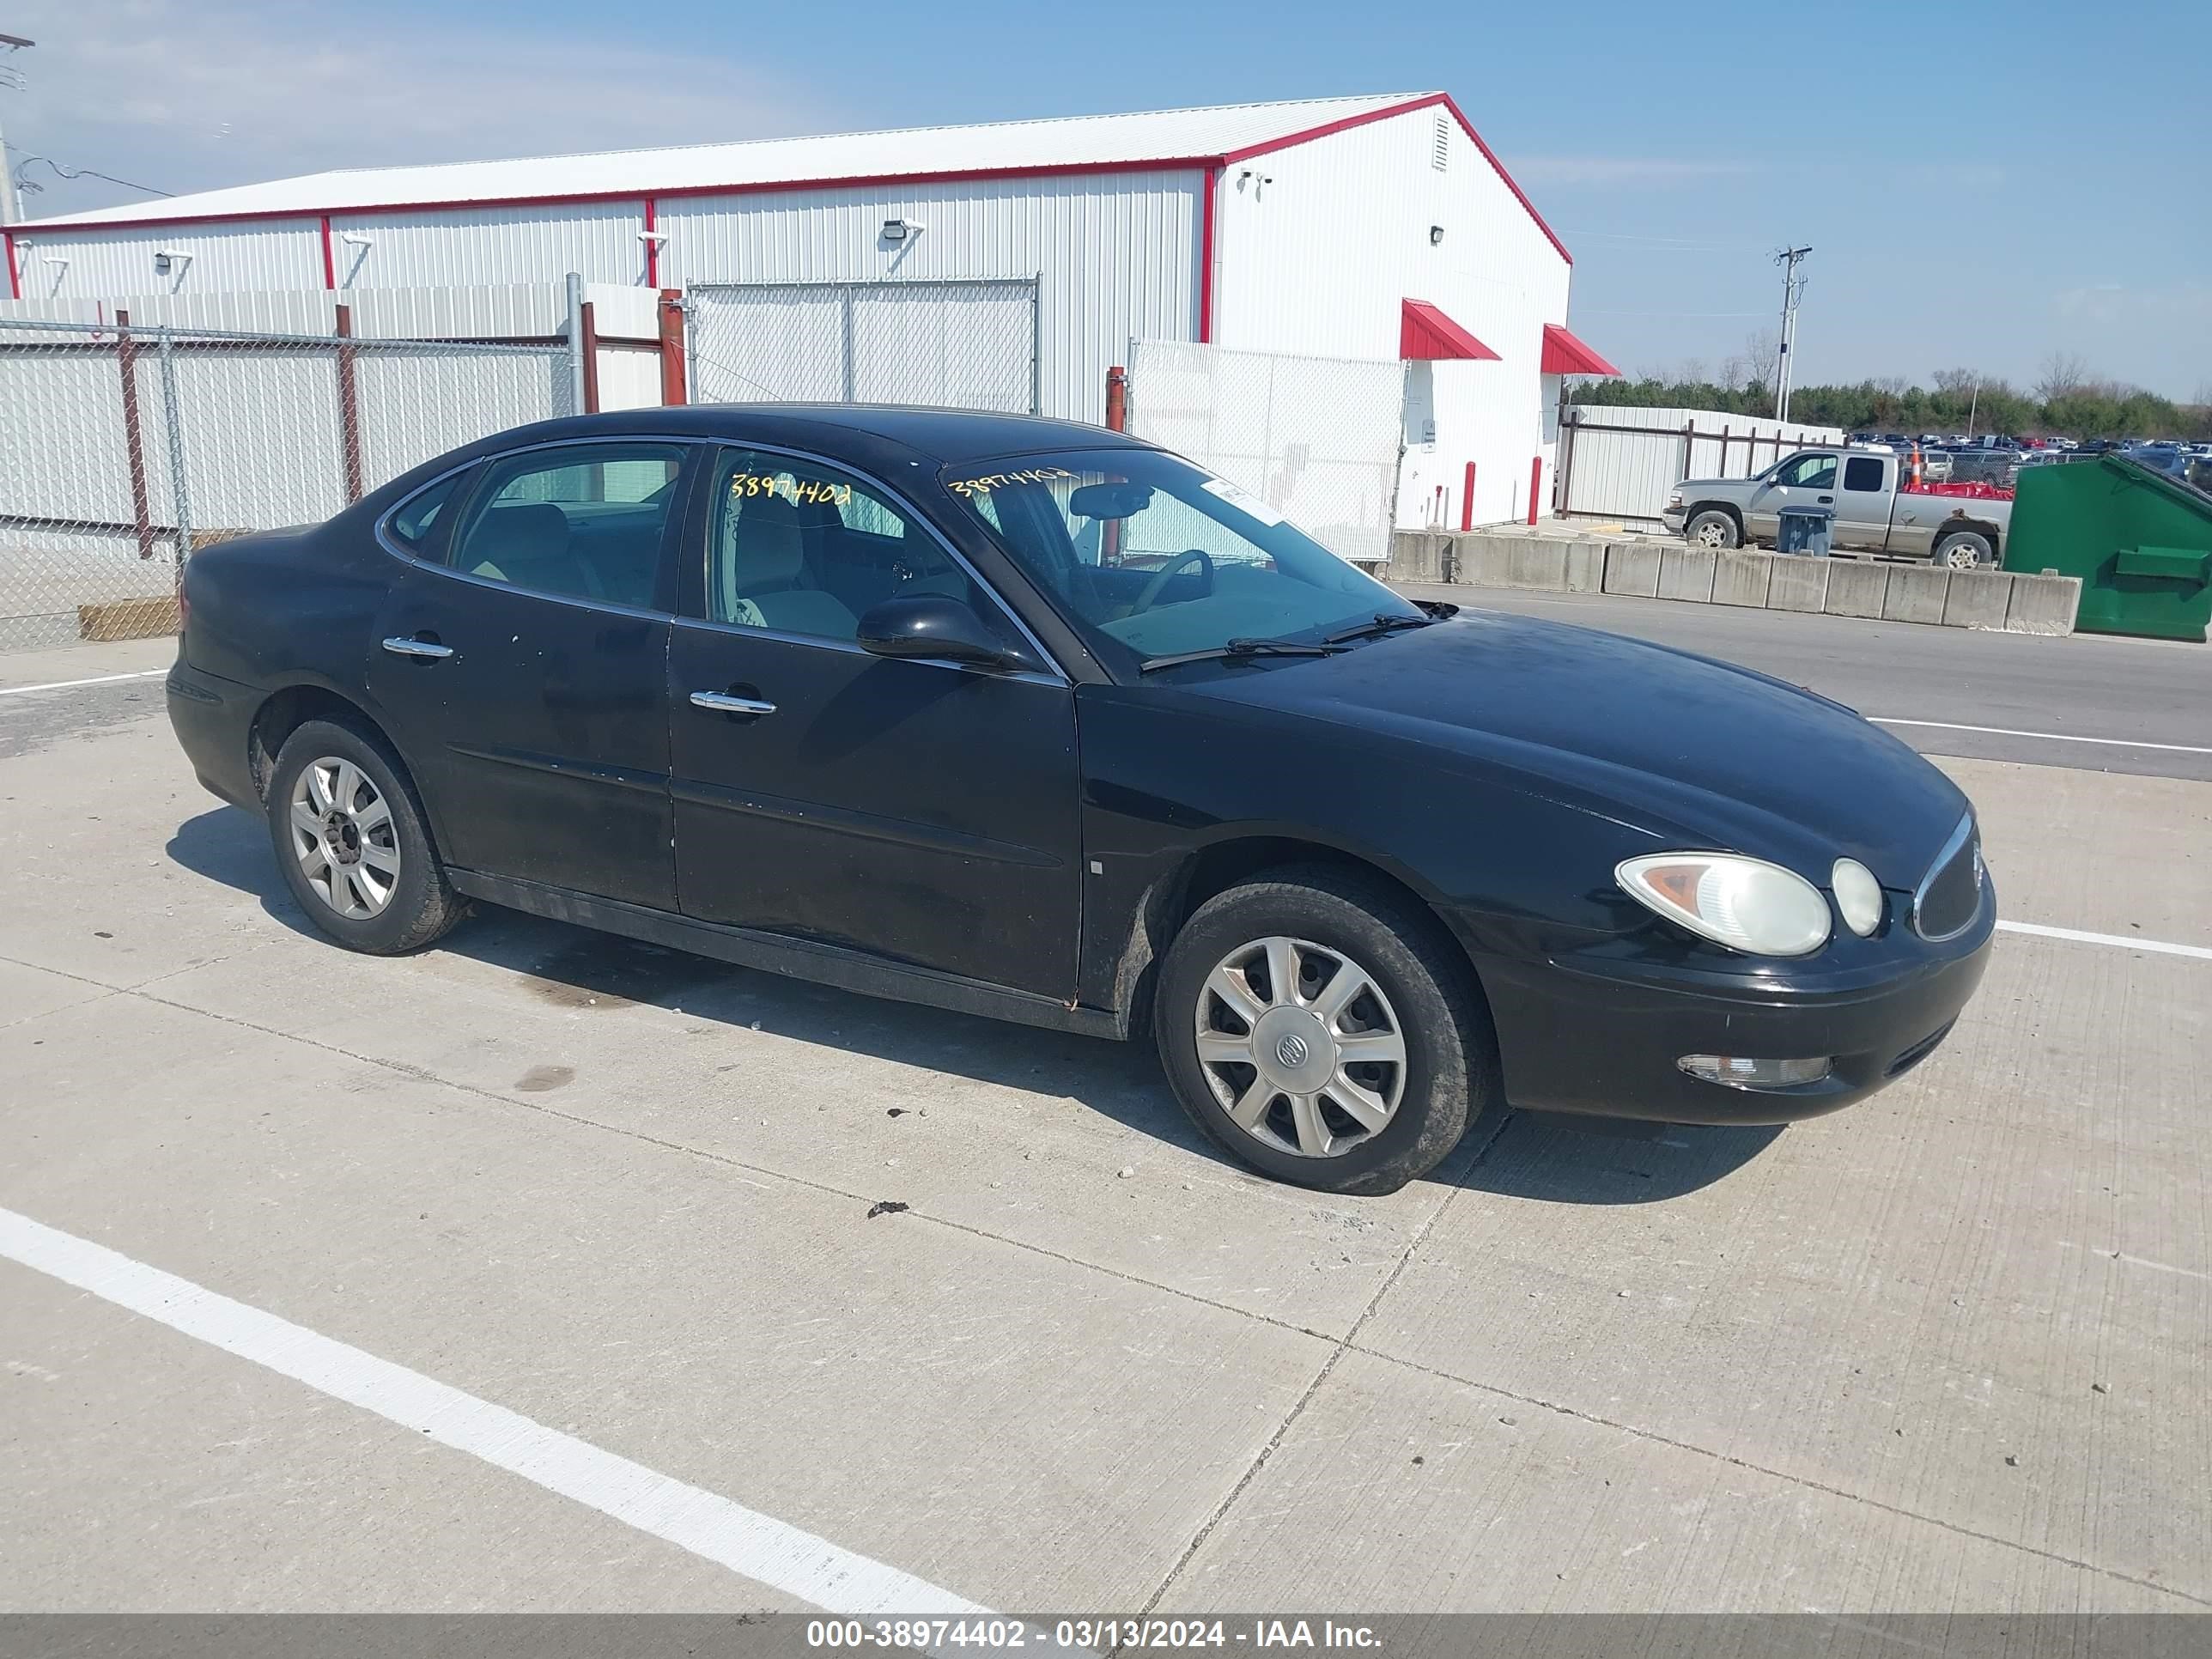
[
  {"x": 352, "y": 844},
  {"x": 1325, "y": 1031}
]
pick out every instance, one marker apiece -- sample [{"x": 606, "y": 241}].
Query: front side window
[
  {"x": 1149, "y": 556},
  {"x": 801, "y": 547},
  {"x": 1808, "y": 473},
  {"x": 582, "y": 521}
]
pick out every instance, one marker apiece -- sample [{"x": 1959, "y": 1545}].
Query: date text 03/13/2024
[{"x": 1087, "y": 1635}]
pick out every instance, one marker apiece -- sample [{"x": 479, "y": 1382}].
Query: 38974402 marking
[{"x": 1078, "y": 1635}]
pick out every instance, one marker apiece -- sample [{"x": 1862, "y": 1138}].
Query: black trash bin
[{"x": 1805, "y": 530}]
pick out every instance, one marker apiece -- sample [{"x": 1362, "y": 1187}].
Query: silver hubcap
[
  {"x": 1710, "y": 534},
  {"x": 342, "y": 833},
  {"x": 1963, "y": 555},
  {"x": 1300, "y": 1046}
]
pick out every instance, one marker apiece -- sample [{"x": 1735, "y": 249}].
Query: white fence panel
[
  {"x": 1316, "y": 438},
  {"x": 1622, "y": 463}
]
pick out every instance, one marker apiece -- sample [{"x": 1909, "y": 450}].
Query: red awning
[
  {"x": 1427, "y": 335},
  {"x": 1565, "y": 355}
]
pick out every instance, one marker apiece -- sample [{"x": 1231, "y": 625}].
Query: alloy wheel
[
  {"x": 342, "y": 833},
  {"x": 1301, "y": 1047}
]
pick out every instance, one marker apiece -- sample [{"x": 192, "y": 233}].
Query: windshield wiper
[
  {"x": 1382, "y": 623},
  {"x": 1238, "y": 649}
]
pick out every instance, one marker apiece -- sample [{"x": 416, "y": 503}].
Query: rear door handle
[
  {"x": 400, "y": 646},
  {"x": 723, "y": 703}
]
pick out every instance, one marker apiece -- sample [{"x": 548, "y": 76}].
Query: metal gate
[{"x": 954, "y": 344}]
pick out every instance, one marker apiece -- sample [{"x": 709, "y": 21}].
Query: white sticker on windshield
[{"x": 1241, "y": 501}]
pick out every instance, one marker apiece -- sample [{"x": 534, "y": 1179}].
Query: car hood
[
  {"x": 1688, "y": 750},
  {"x": 1706, "y": 486}
]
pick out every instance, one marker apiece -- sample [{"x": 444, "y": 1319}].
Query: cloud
[
  {"x": 192, "y": 96},
  {"x": 1621, "y": 170}
]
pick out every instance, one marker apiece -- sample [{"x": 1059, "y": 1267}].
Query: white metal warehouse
[{"x": 1363, "y": 269}]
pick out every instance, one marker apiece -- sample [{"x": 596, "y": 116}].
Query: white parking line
[
  {"x": 2047, "y": 737},
  {"x": 2124, "y": 941},
  {"x": 759, "y": 1546},
  {"x": 67, "y": 686}
]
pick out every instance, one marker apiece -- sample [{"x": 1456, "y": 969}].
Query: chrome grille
[{"x": 1950, "y": 895}]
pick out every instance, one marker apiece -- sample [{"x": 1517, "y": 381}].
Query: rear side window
[
  {"x": 414, "y": 522},
  {"x": 1863, "y": 472},
  {"x": 585, "y": 522}
]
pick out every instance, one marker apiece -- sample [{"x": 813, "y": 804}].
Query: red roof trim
[
  {"x": 1172, "y": 164},
  {"x": 1162, "y": 164},
  {"x": 1426, "y": 334},
  {"x": 1564, "y": 354},
  {"x": 1407, "y": 108}
]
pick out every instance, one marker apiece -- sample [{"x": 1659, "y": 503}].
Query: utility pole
[
  {"x": 1793, "y": 286},
  {"x": 10, "y": 79}
]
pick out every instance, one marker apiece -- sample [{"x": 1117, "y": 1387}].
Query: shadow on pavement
[{"x": 576, "y": 967}]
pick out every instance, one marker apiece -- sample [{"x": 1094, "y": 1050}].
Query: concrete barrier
[
  {"x": 1742, "y": 578},
  {"x": 1739, "y": 576},
  {"x": 2043, "y": 605},
  {"x": 1856, "y": 589},
  {"x": 1978, "y": 599},
  {"x": 1796, "y": 584},
  {"x": 1915, "y": 594},
  {"x": 1633, "y": 569},
  {"x": 1686, "y": 572}
]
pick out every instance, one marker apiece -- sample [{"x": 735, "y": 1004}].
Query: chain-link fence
[
  {"x": 1316, "y": 438},
  {"x": 965, "y": 345},
  {"x": 123, "y": 448}
]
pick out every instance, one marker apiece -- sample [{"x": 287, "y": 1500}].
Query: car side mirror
[{"x": 932, "y": 625}]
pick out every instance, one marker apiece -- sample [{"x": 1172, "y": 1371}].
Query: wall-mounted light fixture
[
  {"x": 653, "y": 238},
  {"x": 354, "y": 239},
  {"x": 898, "y": 230},
  {"x": 167, "y": 259},
  {"x": 1436, "y": 235},
  {"x": 1258, "y": 180}
]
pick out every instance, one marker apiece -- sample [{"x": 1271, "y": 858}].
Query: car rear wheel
[
  {"x": 1325, "y": 1032},
  {"x": 1712, "y": 528},
  {"x": 1964, "y": 550},
  {"x": 352, "y": 843}
]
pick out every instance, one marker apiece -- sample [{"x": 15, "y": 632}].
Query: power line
[{"x": 24, "y": 167}]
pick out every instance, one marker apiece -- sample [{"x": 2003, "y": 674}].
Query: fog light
[{"x": 1734, "y": 1073}]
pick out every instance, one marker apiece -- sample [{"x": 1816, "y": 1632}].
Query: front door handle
[
  {"x": 723, "y": 703},
  {"x": 1830, "y": 500},
  {"x": 428, "y": 650}
]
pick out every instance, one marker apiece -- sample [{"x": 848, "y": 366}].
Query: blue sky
[{"x": 1983, "y": 186}]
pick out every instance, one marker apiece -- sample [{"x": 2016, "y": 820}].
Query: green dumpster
[{"x": 2141, "y": 543}]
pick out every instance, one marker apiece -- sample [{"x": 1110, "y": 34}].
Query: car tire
[
  {"x": 1419, "y": 987},
  {"x": 374, "y": 848},
  {"x": 1964, "y": 550},
  {"x": 1714, "y": 529}
]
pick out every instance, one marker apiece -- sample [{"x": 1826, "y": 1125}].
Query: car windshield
[{"x": 1150, "y": 556}]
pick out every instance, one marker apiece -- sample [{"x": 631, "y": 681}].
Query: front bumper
[
  {"x": 1600, "y": 1035},
  {"x": 1672, "y": 517}
]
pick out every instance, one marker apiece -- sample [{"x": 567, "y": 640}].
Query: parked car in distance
[
  {"x": 1026, "y": 718},
  {"x": 1862, "y": 489}
]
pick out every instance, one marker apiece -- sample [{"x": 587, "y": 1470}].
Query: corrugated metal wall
[
  {"x": 1628, "y": 475},
  {"x": 463, "y": 245},
  {"x": 1118, "y": 254},
  {"x": 94, "y": 264},
  {"x": 1318, "y": 246}
]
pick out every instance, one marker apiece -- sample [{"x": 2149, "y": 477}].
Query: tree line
[{"x": 2067, "y": 400}]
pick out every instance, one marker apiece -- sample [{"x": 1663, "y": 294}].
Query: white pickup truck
[{"x": 1861, "y": 487}]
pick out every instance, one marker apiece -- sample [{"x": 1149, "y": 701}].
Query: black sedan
[{"x": 1026, "y": 718}]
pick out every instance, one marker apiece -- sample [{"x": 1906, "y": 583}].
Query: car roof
[{"x": 946, "y": 436}]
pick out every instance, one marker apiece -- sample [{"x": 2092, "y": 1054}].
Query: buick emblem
[{"x": 1291, "y": 1050}]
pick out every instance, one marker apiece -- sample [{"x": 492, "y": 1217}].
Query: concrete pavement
[{"x": 1950, "y": 1350}]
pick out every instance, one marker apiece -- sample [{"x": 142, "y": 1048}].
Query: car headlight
[
  {"x": 1746, "y": 904},
  {"x": 1858, "y": 896}
]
